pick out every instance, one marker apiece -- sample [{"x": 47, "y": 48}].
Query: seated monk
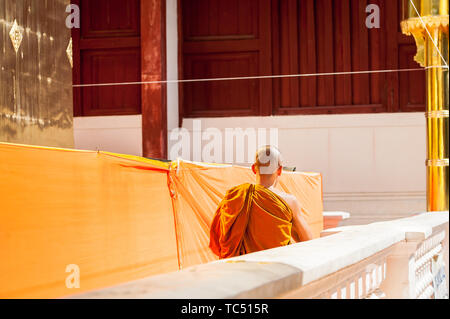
[{"x": 253, "y": 217}]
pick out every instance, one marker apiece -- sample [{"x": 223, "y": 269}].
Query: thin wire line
[
  {"x": 429, "y": 34},
  {"x": 254, "y": 77}
]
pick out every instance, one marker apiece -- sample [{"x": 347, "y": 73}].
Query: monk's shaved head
[{"x": 268, "y": 160}]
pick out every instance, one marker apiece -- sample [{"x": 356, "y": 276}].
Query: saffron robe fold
[{"x": 250, "y": 218}]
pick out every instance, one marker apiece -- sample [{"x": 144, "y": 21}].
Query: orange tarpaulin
[
  {"x": 200, "y": 187},
  {"x": 117, "y": 217}
]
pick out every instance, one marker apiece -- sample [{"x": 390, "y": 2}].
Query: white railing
[
  {"x": 424, "y": 256},
  {"x": 403, "y": 258}
]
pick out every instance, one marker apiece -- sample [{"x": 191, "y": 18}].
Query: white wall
[
  {"x": 118, "y": 134},
  {"x": 372, "y": 164}
]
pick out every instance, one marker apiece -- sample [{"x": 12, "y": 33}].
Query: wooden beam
[{"x": 154, "y": 107}]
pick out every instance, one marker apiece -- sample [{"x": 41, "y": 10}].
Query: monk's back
[{"x": 250, "y": 218}]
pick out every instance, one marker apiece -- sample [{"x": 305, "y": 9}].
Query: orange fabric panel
[
  {"x": 109, "y": 214},
  {"x": 199, "y": 188},
  {"x": 118, "y": 217}
]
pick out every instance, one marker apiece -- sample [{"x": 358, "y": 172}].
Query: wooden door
[
  {"x": 232, "y": 38},
  {"x": 226, "y": 38},
  {"x": 327, "y": 36},
  {"x": 107, "y": 49}
]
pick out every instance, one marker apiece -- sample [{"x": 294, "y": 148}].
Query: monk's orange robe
[{"x": 250, "y": 218}]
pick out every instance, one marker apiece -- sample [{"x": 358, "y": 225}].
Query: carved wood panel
[
  {"x": 107, "y": 49},
  {"x": 221, "y": 39}
]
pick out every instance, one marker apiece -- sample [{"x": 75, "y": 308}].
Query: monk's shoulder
[
  {"x": 237, "y": 190},
  {"x": 290, "y": 199}
]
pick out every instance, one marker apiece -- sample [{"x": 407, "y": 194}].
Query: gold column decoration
[{"x": 430, "y": 30}]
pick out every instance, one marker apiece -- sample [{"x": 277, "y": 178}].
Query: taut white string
[{"x": 254, "y": 77}]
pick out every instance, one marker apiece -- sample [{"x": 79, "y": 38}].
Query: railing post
[
  {"x": 400, "y": 271},
  {"x": 413, "y": 265}
]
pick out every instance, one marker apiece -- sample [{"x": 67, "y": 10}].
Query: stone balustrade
[{"x": 393, "y": 259}]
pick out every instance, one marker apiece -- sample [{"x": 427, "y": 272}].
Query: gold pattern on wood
[
  {"x": 70, "y": 53},
  {"x": 16, "y": 35}
]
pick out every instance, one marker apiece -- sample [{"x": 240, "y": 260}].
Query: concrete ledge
[
  {"x": 207, "y": 281},
  {"x": 274, "y": 272}
]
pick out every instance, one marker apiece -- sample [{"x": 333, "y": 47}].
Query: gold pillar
[{"x": 433, "y": 15}]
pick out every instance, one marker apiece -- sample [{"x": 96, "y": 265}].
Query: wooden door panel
[
  {"x": 342, "y": 54},
  {"x": 412, "y": 84},
  {"x": 219, "y": 20},
  {"x": 226, "y": 38},
  {"x": 221, "y": 46},
  {"x": 308, "y": 62},
  {"x": 360, "y": 52},
  {"x": 107, "y": 50},
  {"x": 324, "y": 43},
  {"x": 214, "y": 97},
  {"x": 326, "y": 36},
  {"x": 110, "y": 18},
  {"x": 110, "y": 66},
  {"x": 289, "y": 34}
]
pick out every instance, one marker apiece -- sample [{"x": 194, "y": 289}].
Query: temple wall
[
  {"x": 36, "y": 80},
  {"x": 119, "y": 134}
]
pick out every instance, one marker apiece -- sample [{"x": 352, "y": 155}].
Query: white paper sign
[{"x": 439, "y": 281}]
